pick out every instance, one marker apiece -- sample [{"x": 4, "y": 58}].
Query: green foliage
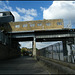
[
  {"x": 26, "y": 49},
  {"x": 37, "y": 49},
  {"x": 22, "y": 50}
]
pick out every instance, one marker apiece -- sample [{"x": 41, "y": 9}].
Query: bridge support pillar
[
  {"x": 65, "y": 52},
  {"x": 34, "y": 47},
  {"x": 70, "y": 50}
]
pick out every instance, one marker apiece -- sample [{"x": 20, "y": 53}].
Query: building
[
  {"x": 35, "y": 25},
  {"x": 6, "y": 16}
]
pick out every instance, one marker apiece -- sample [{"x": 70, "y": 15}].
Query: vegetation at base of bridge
[
  {"x": 26, "y": 51},
  {"x": 69, "y": 65}
]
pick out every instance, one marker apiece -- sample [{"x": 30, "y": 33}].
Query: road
[{"x": 22, "y": 65}]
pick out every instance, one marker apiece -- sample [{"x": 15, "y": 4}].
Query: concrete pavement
[{"x": 22, "y": 65}]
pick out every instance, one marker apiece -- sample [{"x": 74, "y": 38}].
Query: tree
[{"x": 22, "y": 50}]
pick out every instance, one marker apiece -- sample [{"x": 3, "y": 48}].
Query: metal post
[
  {"x": 72, "y": 58},
  {"x": 59, "y": 50},
  {"x": 52, "y": 51},
  {"x": 34, "y": 47},
  {"x": 56, "y": 51},
  {"x": 65, "y": 52},
  {"x": 48, "y": 52}
]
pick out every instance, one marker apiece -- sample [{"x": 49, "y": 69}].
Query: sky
[{"x": 39, "y": 10}]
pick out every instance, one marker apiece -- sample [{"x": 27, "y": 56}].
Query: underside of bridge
[
  {"x": 64, "y": 35},
  {"x": 40, "y": 39},
  {"x": 34, "y": 40}
]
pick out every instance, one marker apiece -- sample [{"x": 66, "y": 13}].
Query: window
[
  {"x": 17, "y": 26},
  {"x": 1, "y": 14},
  {"x": 32, "y": 25},
  {"x": 59, "y": 23},
  {"x": 48, "y": 24},
  {"x": 39, "y": 24},
  {"x": 25, "y": 25}
]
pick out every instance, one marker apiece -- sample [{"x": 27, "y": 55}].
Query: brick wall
[{"x": 53, "y": 25}]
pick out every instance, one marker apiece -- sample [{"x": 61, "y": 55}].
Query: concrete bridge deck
[{"x": 22, "y": 65}]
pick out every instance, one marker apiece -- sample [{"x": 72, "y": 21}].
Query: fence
[{"x": 54, "y": 51}]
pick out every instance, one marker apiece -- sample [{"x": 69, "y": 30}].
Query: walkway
[{"x": 22, "y": 65}]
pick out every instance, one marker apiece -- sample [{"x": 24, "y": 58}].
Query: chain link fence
[{"x": 54, "y": 51}]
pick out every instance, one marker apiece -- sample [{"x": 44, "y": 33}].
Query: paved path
[{"x": 22, "y": 65}]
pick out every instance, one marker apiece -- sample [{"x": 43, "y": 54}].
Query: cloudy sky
[{"x": 38, "y": 10}]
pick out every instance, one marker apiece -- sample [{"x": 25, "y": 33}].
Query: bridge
[
  {"x": 36, "y": 31},
  {"x": 65, "y": 35}
]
